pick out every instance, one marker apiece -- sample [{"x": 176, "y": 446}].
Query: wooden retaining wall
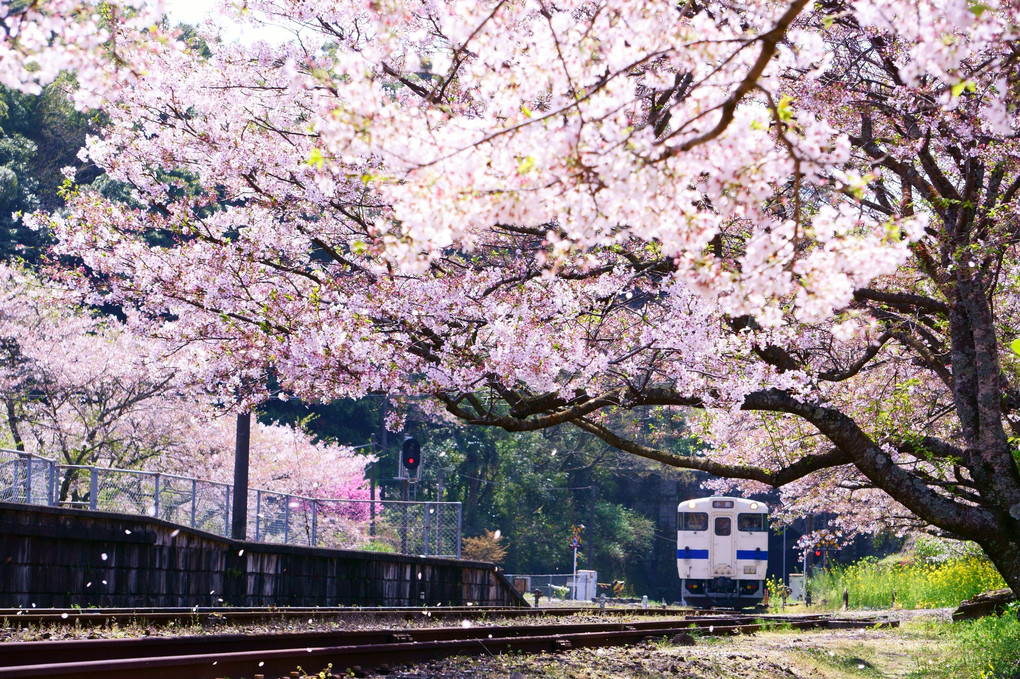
[{"x": 53, "y": 557}]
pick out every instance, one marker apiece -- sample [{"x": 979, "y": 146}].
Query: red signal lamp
[{"x": 410, "y": 455}]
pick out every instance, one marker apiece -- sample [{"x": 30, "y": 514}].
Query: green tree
[{"x": 39, "y": 136}]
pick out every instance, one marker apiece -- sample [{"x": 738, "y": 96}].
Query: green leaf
[
  {"x": 784, "y": 109},
  {"x": 978, "y": 8},
  {"x": 525, "y": 165},
  {"x": 959, "y": 87},
  {"x": 1015, "y": 346},
  {"x": 316, "y": 159}
]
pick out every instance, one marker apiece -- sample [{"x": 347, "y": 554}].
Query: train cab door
[{"x": 723, "y": 546}]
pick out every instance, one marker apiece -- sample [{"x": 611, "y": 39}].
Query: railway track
[
  {"x": 24, "y": 617},
  {"x": 240, "y": 655}
]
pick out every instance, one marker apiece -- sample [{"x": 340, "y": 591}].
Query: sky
[
  {"x": 195, "y": 11},
  {"x": 188, "y": 11}
]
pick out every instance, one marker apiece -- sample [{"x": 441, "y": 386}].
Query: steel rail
[
  {"x": 210, "y": 657},
  {"x": 28, "y": 652},
  {"x": 22, "y": 617}
]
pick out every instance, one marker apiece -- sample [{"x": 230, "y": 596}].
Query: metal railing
[{"x": 427, "y": 528}]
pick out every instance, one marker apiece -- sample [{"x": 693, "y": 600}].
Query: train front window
[
  {"x": 722, "y": 525},
  {"x": 751, "y": 522},
  {"x": 693, "y": 521}
]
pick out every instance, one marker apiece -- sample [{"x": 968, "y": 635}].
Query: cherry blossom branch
[
  {"x": 792, "y": 472},
  {"x": 770, "y": 42},
  {"x": 876, "y": 464},
  {"x": 902, "y": 300}
]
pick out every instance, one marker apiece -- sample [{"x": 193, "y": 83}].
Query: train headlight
[
  {"x": 692, "y": 505},
  {"x": 754, "y": 505}
]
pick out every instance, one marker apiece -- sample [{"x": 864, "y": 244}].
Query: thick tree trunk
[
  {"x": 65, "y": 485},
  {"x": 12, "y": 424},
  {"x": 1004, "y": 551}
]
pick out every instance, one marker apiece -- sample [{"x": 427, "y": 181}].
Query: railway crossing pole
[{"x": 575, "y": 544}]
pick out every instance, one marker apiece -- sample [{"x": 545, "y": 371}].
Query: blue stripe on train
[
  {"x": 752, "y": 554},
  {"x": 692, "y": 553}
]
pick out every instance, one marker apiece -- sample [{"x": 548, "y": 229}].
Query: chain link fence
[
  {"x": 424, "y": 528},
  {"x": 24, "y": 478}
]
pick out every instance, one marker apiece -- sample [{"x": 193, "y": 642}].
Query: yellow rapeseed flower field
[{"x": 924, "y": 585}]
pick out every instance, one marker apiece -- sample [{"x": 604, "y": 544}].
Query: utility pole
[
  {"x": 591, "y": 525},
  {"x": 371, "y": 505},
  {"x": 383, "y": 442},
  {"x": 439, "y": 512},
  {"x": 809, "y": 552},
  {"x": 786, "y": 577},
  {"x": 239, "y": 524}
]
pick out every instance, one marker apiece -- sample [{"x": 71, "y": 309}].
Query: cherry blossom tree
[
  {"x": 100, "y": 42},
  {"x": 799, "y": 219},
  {"x": 79, "y": 387},
  {"x": 283, "y": 459}
]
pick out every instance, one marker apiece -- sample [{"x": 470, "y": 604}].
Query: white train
[{"x": 722, "y": 548}]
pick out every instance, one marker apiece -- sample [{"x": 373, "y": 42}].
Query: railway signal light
[{"x": 410, "y": 455}]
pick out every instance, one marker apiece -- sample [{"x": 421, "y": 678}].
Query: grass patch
[
  {"x": 773, "y": 625},
  {"x": 988, "y": 648},
  {"x": 854, "y": 661}
]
